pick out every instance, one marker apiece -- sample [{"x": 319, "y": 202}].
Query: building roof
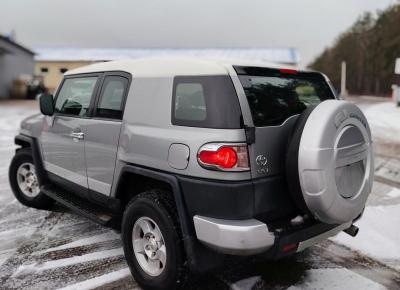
[
  {"x": 169, "y": 66},
  {"x": 397, "y": 67},
  {"x": 277, "y": 55},
  {"x": 13, "y": 43}
]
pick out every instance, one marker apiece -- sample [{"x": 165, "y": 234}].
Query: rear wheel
[
  {"x": 152, "y": 241},
  {"x": 24, "y": 182}
]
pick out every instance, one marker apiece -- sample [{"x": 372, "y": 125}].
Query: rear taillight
[
  {"x": 224, "y": 157},
  {"x": 288, "y": 71}
]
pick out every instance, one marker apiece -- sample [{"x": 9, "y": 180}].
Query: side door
[
  {"x": 102, "y": 131},
  {"x": 62, "y": 139}
]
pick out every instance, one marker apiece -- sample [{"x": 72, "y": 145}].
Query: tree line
[{"x": 370, "y": 48}]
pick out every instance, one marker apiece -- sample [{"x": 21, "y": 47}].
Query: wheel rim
[
  {"x": 149, "y": 246},
  {"x": 27, "y": 180}
]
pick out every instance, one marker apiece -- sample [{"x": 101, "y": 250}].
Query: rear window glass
[
  {"x": 273, "y": 96},
  {"x": 205, "y": 101}
]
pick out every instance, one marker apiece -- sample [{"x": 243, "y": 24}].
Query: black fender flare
[
  {"x": 167, "y": 178},
  {"x": 200, "y": 259}
]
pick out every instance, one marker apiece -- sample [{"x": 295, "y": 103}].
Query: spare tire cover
[{"x": 335, "y": 161}]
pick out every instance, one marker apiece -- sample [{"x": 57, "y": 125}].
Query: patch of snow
[
  {"x": 37, "y": 267},
  {"x": 25, "y": 269},
  {"x": 4, "y": 255},
  {"x": 297, "y": 220},
  {"x": 81, "y": 259},
  {"x": 99, "y": 281},
  {"x": 335, "y": 279},
  {"x": 246, "y": 284},
  {"x": 384, "y": 119},
  {"x": 108, "y": 236},
  {"x": 394, "y": 193},
  {"x": 379, "y": 235},
  {"x": 12, "y": 238}
]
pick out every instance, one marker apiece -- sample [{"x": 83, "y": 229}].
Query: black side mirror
[{"x": 46, "y": 104}]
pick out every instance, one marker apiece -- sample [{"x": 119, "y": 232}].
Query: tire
[
  {"x": 292, "y": 162},
  {"x": 36, "y": 199},
  {"x": 157, "y": 208}
]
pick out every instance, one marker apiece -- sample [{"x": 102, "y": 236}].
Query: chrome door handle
[{"x": 77, "y": 135}]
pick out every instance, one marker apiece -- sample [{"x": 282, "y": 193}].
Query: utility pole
[{"x": 343, "y": 90}]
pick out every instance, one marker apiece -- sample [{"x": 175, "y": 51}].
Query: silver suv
[{"x": 196, "y": 160}]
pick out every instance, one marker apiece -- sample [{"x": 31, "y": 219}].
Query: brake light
[
  {"x": 224, "y": 157},
  {"x": 290, "y": 247},
  {"x": 288, "y": 71}
]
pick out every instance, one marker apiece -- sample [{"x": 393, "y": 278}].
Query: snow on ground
[
  {"x": 86, "y": 241},
  {"x": 334, "y": 279},
  {"x": 99, "y": 281},
  {"x": 390, "y": 170},
  {"x": 384, "y": 119},
  {"x": 379, "y": 235}
]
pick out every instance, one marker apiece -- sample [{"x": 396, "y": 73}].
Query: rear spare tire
[{"x": 329, "y": 162}]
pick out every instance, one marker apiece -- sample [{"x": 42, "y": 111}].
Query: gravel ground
[{"x": 60, "y": 250}]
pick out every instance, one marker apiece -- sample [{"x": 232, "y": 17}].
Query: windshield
[{"x": 275, "y": 95}]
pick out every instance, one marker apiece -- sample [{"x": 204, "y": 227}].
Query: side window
[
  {"x": 75, "y": 95},
  {"x": 111, "y": 99},
  {"x": 207, "y": 101},
  {"x": 189, "y": 102}
]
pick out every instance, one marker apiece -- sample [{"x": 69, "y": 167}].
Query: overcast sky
[{"x": 309, "y": 25}]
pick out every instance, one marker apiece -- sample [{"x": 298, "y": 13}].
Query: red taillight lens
[
  {"x": 290, "y": 247},
  {"x": 288, "y": 71},
  {"x": 224, "y": 157}
]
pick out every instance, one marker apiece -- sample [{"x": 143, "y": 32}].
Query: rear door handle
[{"x": 77, "y": 135}]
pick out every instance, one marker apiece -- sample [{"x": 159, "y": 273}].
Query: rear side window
[
  {"x": 274, "y": 96},
  {"x": 205, "y": 101},
  {"x": 112, "y": 97},
  {"x": 75, "y": 96},
  {"x": 190, "y": 103}
]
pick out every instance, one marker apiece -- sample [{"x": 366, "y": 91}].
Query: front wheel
[
  {"x": 152, "y": 241},
  {"x": 24, "y": 182}
]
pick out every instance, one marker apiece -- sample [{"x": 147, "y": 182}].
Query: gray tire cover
[{"x": 336, "y": 162}]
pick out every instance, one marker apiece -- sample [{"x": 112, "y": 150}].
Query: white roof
[
  {"x": 168, "y": 66},
  {"x": 397, "y": 68},
  {"x": 277, "y": 55}
]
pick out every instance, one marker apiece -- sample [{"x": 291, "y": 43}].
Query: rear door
[
  {"x": 62, "y": 139},
  {"x": 276, "y": 98},
  {"x": 102, "y": 131}
]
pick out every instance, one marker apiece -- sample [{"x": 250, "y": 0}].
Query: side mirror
[{"x": 46, "y": 104}]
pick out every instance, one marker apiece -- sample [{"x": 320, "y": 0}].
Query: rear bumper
[
  {"x": 250, "y": 237},
  {"x": 236, "y": 237}
]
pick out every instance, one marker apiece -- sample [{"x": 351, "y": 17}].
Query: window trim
[
  {"x": 122, "y": 74},
  {"x": 96, "y": 93}
]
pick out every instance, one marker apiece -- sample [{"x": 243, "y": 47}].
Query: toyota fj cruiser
[{"x": 199, "y": 159}]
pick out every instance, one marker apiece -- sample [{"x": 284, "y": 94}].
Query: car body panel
[
  {"x": 64, "y": 155},
  {"x": 101, "y": 144}
]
